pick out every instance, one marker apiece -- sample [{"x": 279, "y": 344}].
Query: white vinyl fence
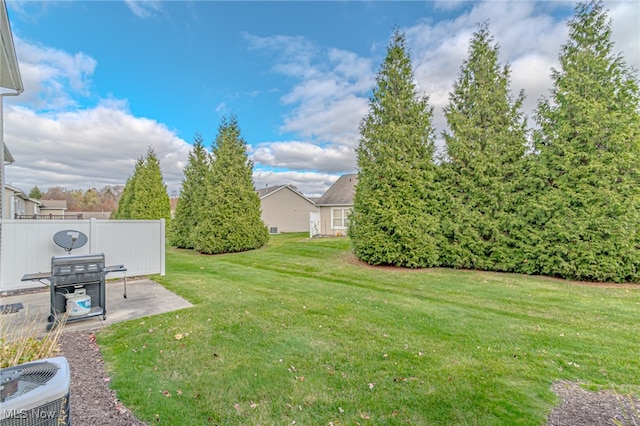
[{"x": 27, "y": 247}]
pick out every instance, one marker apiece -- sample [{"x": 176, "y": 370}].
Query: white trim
[
  {"x": 290, "y": 189},
  {"x": 344, "y": 218}
]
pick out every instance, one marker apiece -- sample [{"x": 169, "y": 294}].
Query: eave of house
[
  {"x": 10, "y": 77},
  {"x": 8, "y": 157},
  {"x": 20, "y": 193},
  {"x": 280, "y": 188}
]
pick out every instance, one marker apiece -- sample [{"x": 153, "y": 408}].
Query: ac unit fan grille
[
  {"x": 27, "y": 378},
  {"x": 40, "y": 373}
]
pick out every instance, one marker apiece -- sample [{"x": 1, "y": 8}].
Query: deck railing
[{"x": 49, "y": 216}]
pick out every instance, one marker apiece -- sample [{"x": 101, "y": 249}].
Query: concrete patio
[{"x": 144, "y": 298}]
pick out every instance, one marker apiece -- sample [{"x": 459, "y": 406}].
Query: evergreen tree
[
  {"x": 393, "y": 220},
  {"x": 232, "y": 221},
  {"x": 35, "y": 193},
  {"x": 589, "y": 145},
  {"x": 150, "y": 200},
  {"x": 485, "y": 148},
  {"x": 126, "y": 199},
  {"x": 189, "y": 209}
]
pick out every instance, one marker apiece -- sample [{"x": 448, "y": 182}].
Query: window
[{"x": 340, "y": 218}]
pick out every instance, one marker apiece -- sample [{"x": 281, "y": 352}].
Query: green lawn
[{"x": 301, "y": 332}]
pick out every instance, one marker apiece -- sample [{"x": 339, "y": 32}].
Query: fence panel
[{"x": 27, "y": 246}]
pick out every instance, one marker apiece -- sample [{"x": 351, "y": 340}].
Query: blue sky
[{"x": 106, "y": 79}]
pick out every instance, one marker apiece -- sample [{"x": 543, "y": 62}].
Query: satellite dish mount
[{"x": 69, "y": 239}]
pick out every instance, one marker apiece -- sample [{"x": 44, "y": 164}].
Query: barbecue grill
[{"x": 77, "y": 277}]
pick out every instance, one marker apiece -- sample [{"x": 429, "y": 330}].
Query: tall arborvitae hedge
[
  {"x": 150, "y": 200},
  {"x": 392, "y": 221},
  {"x": 587, "y": 209},
  {"x": 232, "y": 220},
  {"x": 483, "y": 171},
  {"x": 145, "y": 194},
  {"x": 189, "y": 211},
  {"x": 126, "y": 199}
]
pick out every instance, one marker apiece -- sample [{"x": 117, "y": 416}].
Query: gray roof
[
  {"x": 54, "y": 204},
  {"x": 20, "y": 193},
  {"x": 265, "y": 192},
  {"x": 340, "y": 193}
]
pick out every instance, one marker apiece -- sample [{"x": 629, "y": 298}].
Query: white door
[{"x": 314, "y": 224}]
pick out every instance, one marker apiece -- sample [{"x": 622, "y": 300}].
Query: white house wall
[
  {"x": 286, "y": 211},
  {"x": 27, "y": 246},
  {"x": 7, "y": 204}
]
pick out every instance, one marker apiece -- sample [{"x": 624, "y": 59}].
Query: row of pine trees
[
  {"x": 560, "y": 200},
  {"x": 218, "y": 210}
]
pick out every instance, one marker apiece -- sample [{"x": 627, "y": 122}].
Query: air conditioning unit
[
  {"x": 36, "y": 393},
  {"x": 273, "y": 229}
]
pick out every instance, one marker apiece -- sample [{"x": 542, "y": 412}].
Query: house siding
[
  {"x": 7, "y": 204},
  {"x": 287, "y": 211},
  {"x": 327, "y": 223},
  {"x": 17, "y": 203}
]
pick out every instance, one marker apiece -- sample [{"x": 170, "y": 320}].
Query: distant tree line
[
  {"x": 562, "y": 199},
  {"x": 80, "y": 200}
]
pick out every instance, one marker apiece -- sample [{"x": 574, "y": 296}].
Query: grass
[{"x": 300, "y": 332}]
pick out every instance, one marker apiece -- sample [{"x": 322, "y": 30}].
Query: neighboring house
[
  {"x": 92, "y": 215},
  {"x": 336, "y": 204},
  {"x": 285, "y": 209},
  {"x": 17, "y": 203},
  {"x": 53, "y": 208}
]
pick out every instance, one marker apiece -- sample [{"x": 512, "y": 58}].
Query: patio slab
[{"x": 144, "y": 298}]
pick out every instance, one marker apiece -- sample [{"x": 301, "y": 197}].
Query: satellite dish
[{"x": 69, "y": 239}]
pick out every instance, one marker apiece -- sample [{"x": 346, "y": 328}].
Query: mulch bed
[{"x": 94, "y": 403}]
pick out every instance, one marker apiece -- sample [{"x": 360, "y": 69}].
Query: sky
[{"x": 106, "y": 80}]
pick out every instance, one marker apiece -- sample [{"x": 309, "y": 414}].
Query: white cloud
[
  {"x": 87, "y": 148},
  {"x": 329, "y": 98},
  {"x": 305, "y": 156},
  {"x": 530, "y": 47},
  {"x": 311, "y": 184},
  {"x": 328, "y": 102},
  {"x": 52, "y": 77},
  {"x": 56, "y": 143},
  {"x": 144, "y": 8},
  {"x": 626, "y": 33},
  {"x": 530, "y": 36}
]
